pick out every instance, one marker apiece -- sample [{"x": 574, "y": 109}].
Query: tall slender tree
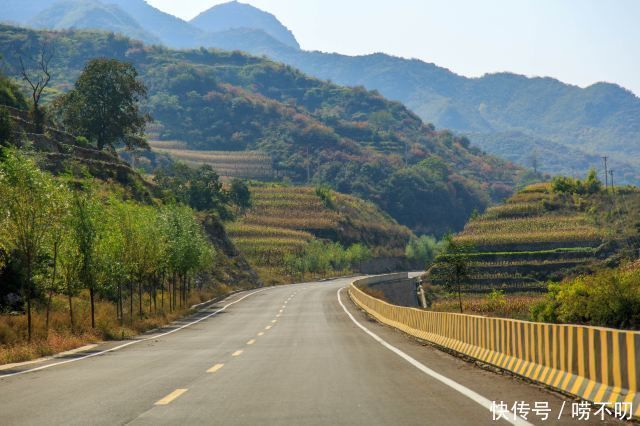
[{"x": 25, "y": 217}]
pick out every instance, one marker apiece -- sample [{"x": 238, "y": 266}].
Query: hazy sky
[{"x": 576, "y": 41}]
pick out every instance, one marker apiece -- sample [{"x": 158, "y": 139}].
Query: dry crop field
[
  {"x": 238, "y": 164},
  {"x": 527, "y": 241},
  {"x": 282, "y": 220}
]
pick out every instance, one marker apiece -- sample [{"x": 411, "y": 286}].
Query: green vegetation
[
  {"x": 63, "y": 241},
  {"x": 104, "y": 106},
  {"x": 315, "y": 132},
  {"x": 323, "y": 258},
  {"x": 201, "y": 189},
  {"x": 423, "y": 250},
  {"x": 453, "y": 266},
  {"x": 609, "y": 298}
]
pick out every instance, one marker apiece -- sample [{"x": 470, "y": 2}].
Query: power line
[{"x": 606, "y": 178}]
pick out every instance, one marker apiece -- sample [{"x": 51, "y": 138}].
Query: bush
[
  {"x": 610, "y": 298},
  {"x": 569, "y": 185},
  {"x": 423, "y": 250},
  {"x": 496, "y": 300}
]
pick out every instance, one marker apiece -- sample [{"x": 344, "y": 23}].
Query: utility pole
[
  {"x": 606, "y": 177},
  {"x": 612, "y": 187},
  {"x": 308, "y": 167}
]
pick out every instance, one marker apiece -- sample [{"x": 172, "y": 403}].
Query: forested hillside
[
  {"x": 355, "y": 140},
  {"x": 599, "y": 120}
]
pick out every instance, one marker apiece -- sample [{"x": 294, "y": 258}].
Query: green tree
[
  {"x": 453, "y": 265},
  {"x": 199, "y": 188},
  {"x": 104, "y": 105},
  {"x": 59, "y": 220},
  {"x": 86, "y": 213},
  {"x": 25, "y": 217},
  {"x": 423, "y": 250},
  {"x": 240, "y": 195}
]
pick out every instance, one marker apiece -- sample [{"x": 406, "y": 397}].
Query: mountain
[
  {"x": 89, "y": 14},
  {"x": 603, "y": 119},
  {"x": 315, "y": 132},
  {"x": 537, "y": 114},
  {"x": 235, "y": 15},
  {"x": 174, "y": 32}
]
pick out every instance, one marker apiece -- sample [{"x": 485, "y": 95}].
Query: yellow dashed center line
[
  {"x": 281, "y": 310},
  {"x": 261, "y": 333},
  {"x": 251, "y": 342},
  {"x": 172, "y": 396},
  {"x": 274, "y": 321},
  {"x": 215, "y": 368},
  {"x": 278, "y": 316},
  {"x": 267, "y": 327},
  {"x": 238, "y": 352}
]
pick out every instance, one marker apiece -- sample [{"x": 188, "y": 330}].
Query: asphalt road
[{"x": 282, "y": 356}]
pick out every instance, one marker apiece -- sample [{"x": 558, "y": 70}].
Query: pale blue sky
[{"x": 576, "y": 41}]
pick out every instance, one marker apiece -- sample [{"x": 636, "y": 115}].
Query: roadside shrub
[
  {"x": 496, "y": 300},
  {"x": 610, "y": 298},
  {"x": 423, "y": 250}
]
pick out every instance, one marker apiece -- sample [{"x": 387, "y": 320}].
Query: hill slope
[
  {"x": 284, "y": 220},
  {"x": 355, "y": 140},
  {"x": 235, "y": 15},
  {"x": 532, "y": 238}
]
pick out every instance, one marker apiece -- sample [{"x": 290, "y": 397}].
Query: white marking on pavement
[
  {"x": 172, "y": 396},
  {"x": 514, "y": 420},
  {"x": 215, "y": 368},
  {"x": 261, "y": 333},
  {"x": 134, "y": 341},
  {"x": 267, "y": 327},
  {"x": 237, "y": 353},
  {"x": 251, "y": 342}
]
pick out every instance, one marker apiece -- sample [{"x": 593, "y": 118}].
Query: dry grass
[
  {"x": 14, "y": 346},
  {"x": 516, "y": 306}
]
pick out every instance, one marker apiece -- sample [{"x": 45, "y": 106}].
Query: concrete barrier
[{"x": 596, "y": 364}]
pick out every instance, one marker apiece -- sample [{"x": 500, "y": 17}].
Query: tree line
[{"x": 65, "y": 241}]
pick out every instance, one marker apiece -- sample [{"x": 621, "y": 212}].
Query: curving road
[{"x": 293, "y": 355}]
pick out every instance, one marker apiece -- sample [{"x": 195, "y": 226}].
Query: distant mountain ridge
[
  {"x": 91, "y": 14},
  {"x": 235, "y": 15},
  {"x": 603, "y": 119}
]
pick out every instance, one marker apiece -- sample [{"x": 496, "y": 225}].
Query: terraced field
[
  {"x": 530, "y": 239},
  {"x": 238, "y": 164},
  {"x": 283, "y": 219}
]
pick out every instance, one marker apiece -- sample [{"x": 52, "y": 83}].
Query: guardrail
[{"x": 596, "y": 364}]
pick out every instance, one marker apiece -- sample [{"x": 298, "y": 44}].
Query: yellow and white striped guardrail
[{"x": 596, "y": 364}]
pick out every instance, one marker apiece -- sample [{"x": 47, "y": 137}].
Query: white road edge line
[
  {"x": 514, "y": 420},
  {"x": 133, "y": 342}
]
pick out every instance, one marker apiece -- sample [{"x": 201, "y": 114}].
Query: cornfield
[{"x": 241, "y": 164}]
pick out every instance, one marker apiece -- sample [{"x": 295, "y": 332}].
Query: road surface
[{"x": 293, "y": 355}]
